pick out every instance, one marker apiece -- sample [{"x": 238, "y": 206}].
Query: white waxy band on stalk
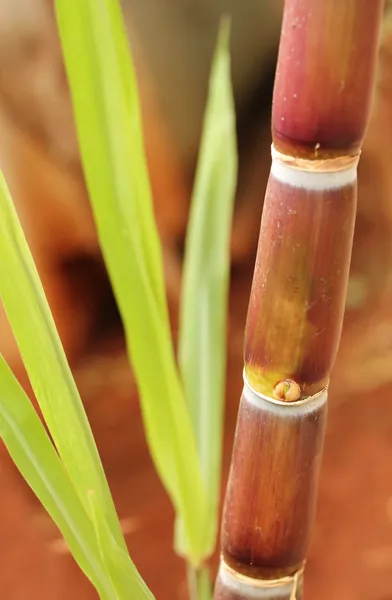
[
  {"x": 320, "y": 177},
  {"x": 247, "y": 587}
]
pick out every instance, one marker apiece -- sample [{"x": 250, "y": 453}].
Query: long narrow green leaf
[
  {"x": 125, "y": 578},
  {"x": 106, "y": 108},
  {"x": 33, "y": 453},
  {"x": 28, "y": 311},
  {"x": 202, "y": 342}
]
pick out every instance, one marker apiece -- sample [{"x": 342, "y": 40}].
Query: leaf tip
[{"x": 224, "y": 32}]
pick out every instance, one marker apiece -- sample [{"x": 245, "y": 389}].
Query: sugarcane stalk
[{"x": 322, "y": 99}]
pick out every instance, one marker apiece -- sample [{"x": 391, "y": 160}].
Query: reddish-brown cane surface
[
  {"x": 325, "y": 76},
  {"x": 271, "y": 494},
  {"x": 298, "y": 294}
]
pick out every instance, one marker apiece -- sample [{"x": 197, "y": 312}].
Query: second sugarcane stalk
[{"x": 322, "y": 98}]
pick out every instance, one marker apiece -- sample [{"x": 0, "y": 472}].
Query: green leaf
[
  {"x": 33, "y": 453},
  {"x": 106, "y": 108},
  {"x": 32, "y": 323},
  {"x": 202, "y": 341},
  {"x": 124, "y": 576}
]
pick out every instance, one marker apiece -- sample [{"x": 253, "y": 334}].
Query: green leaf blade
[
  {"x": 202, "y": 341},
  {"x": 108, "y": 122},
  {"x": 120, "y": 568},
  {"x": 34, "y": 455},
  {"x": 46, "y": 363}
]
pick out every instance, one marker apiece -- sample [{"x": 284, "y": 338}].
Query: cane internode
[{"x": 298, "y": 294}]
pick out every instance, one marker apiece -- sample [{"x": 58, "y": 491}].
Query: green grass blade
[
  {"x": 106, "y": 109},
  {"x": 125, "y": 577},
  {"x": 32, "y": 323},
  {"x": 33, "y": 453},
  {"x": 202, "y": 341},
  {"x": 56, "y": 392}
]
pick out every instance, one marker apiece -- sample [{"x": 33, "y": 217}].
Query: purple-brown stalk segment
[
  {"x": 322, "y": 98},
  {"x": 270, "y": 501},
  {"x": 297, "y": 300},
  {"x": 325, "y": 75}
]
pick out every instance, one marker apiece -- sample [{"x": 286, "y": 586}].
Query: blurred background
[{"x": 172, "y": 42}]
